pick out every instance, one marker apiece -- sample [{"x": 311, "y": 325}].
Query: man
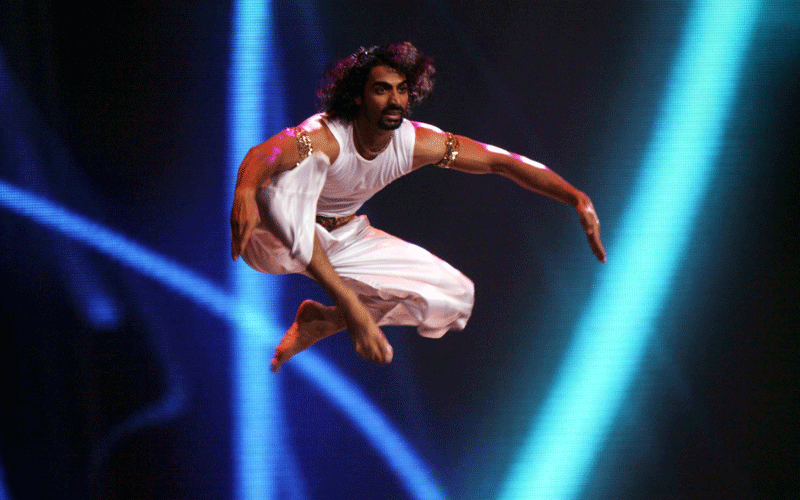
[{"x": 297, "y": 194}]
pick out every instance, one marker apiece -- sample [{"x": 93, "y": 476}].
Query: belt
[{"x": 331, "y": 223}]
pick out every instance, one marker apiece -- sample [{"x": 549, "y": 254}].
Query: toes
[
  {"x": 386, "y": 350},
  {"x": 278, "y": 358},
  {"x": 377, "y": 350},
  {"x": 389, "y": 355},
  {"x": 362, "y": 351}
]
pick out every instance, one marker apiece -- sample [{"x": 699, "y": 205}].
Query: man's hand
[
  {"x": 244, "y": 218},
  {"x": 591, "y": 226}
]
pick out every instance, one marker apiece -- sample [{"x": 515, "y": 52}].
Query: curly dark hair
[{"x": 345, "y": 79}]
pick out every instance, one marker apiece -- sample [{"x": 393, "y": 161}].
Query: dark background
[{"x": 118, "y": 112}]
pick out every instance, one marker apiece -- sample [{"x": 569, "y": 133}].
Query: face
[{"x": 385, "y": 98}]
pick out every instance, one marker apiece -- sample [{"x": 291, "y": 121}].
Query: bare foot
[
  {"x": 373, "y": 347},
  {"x": 369, "y": 341},
  {"x": 313, "y": 322}
]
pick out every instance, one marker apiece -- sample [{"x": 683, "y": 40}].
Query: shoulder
[
  {"x": 284, "y": 148},
  {"x": 319, "y": 133},
  {"x": 426, "y": 130}
]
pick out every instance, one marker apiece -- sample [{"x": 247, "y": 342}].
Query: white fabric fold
[
  {"x": 284, "y": 242},
  {"x": 398, "y": 282}
]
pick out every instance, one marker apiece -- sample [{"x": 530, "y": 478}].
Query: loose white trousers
[{"x": 398, "y": 282}]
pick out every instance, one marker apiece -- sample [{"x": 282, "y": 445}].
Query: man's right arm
[
  {"x": 269, "y": 158},
  {"x": 278, "y": 154}
]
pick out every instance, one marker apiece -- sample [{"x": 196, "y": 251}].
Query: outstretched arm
[{"x": 475, "y": 157}]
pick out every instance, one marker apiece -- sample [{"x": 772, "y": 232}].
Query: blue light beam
[
  {"x": 382, "y": 435},
  {"x": 255, "y": 104},
  {"x": 614, "y": 330},
  {"x": 26, "y": 151}
]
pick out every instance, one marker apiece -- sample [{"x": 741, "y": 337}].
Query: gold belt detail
[{"x": 331, "y": 223}]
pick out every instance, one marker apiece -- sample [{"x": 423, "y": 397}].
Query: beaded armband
[
  {"x": 304, "y": 148},
  {"x": 451, "y": 153}
]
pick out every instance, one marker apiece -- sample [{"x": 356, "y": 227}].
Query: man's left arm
[{"x": 461, "y": 153}]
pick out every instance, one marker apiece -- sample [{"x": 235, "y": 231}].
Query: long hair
[{"x": 345, "y": 79}]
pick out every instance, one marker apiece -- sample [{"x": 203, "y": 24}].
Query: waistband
[{"x": 331, "y": 223}]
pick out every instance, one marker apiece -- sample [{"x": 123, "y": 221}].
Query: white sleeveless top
[{"x": 352, "y": 180}]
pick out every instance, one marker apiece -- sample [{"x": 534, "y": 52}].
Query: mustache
[{"x": 391, "y": 108}]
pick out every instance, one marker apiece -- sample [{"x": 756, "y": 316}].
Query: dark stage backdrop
[{"x": 126, "y": 368}]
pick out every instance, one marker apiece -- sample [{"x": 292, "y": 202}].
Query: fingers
[
  {"x": 597, "y": 246},
  {"x": 236, "y": 235},
  {"x": 593, "y": 236},
  {"x": 240, "y": 242},
  {"x": 244, "y": 219},
  {"x": 591, "y": 226},
  {"x": 236, "y": 241},
  {"x": 234, "y": 245}
]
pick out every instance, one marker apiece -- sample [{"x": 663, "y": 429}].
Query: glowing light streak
[
  {"x": 342, "y": 392},
  {"x": 613, "y": 332},
  {"x": 416, "y": 478},
  {"x": 116, "y": 246},
  {"x": 253, "y": 98},
  {"x": 87, "y": 289}
]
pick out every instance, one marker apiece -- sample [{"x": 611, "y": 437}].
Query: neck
[{"x": 370, "y": 141}]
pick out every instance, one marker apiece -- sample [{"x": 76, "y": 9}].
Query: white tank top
[{"x": 352, "y": 180}]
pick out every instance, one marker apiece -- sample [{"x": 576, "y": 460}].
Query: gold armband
[
  {"x": 451, "y": 153},
  {"x": 304, "y": 148}
]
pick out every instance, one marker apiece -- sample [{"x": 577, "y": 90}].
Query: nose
[{"x": 394, "y": 97}]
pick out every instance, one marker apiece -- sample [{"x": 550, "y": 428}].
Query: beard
[{"x": 387, "y": 122}]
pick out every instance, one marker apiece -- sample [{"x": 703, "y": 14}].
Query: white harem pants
[{"x": 399, "y": 283}]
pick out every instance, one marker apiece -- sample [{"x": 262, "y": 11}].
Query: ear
[{"x": 358, "y": 100}]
